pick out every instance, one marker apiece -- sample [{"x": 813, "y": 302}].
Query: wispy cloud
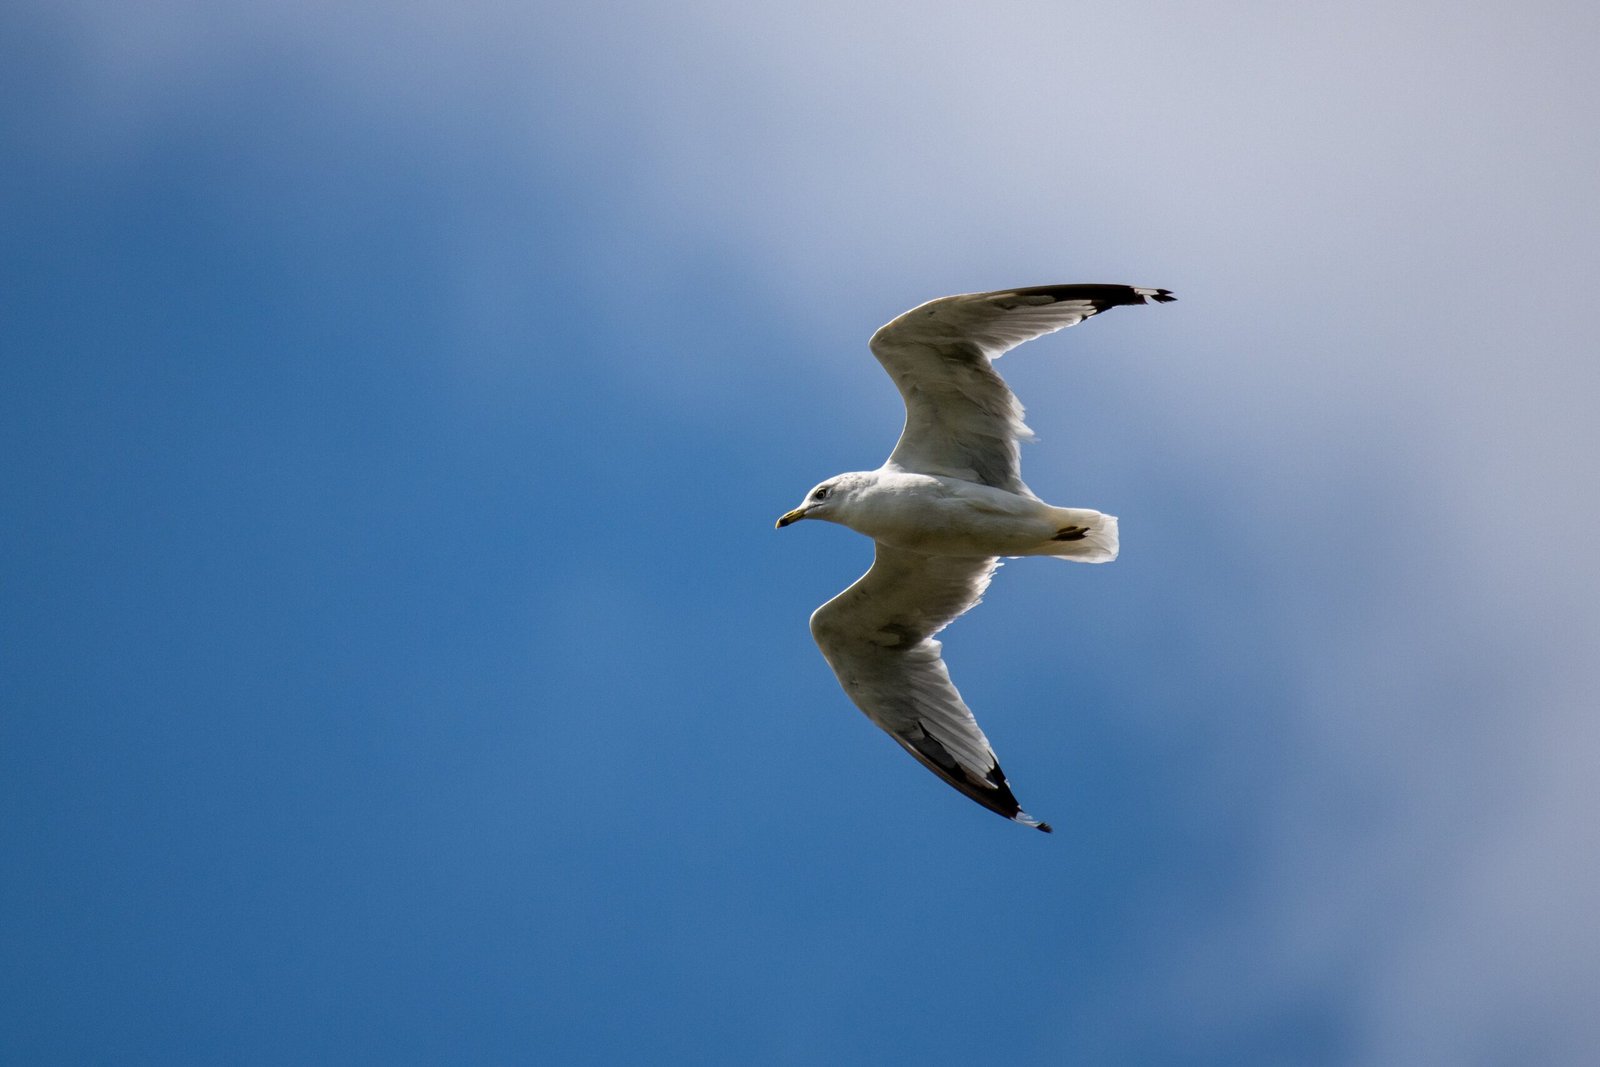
[{"x": 1380, "y": 221}]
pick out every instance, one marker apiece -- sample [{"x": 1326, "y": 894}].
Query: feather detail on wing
[
  {"x": 962, "y": 421},
  {"x": 877, "y": 636}
]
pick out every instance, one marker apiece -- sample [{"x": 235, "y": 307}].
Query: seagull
[{"x": 941, "y": 511}]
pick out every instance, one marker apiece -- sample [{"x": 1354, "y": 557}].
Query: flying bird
[{"x": 942, "y": 510}]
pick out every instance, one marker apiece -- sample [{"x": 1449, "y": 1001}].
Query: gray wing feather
[
  {"x": 962, "y": 420},
  {"x": 877, "y": 636}
]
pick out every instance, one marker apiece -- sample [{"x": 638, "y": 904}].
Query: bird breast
[{"x": 949, "y": 517}]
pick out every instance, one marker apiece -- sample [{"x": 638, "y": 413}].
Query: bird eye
[{"x": 820, "y": 494}]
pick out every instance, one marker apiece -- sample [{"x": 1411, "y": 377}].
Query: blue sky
[{"x": 399, "y": 665}]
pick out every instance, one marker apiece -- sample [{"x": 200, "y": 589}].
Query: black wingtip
[
  {"x": 992, "y": 791},
  {"x": 1099, "y": 297},
  {"x": 1028, "y": 820}
]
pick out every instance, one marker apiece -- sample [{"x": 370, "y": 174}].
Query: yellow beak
[{"x": 790, "y": 516}]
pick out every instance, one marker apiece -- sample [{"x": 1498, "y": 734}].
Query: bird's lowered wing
[
  {"x": 877, "y": 636},
  {"x": 962, "y": 421}
]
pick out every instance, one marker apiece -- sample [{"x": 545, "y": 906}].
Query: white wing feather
[
  {"x": 962, "y": 421},
  {"x": 877, "y": 636}
]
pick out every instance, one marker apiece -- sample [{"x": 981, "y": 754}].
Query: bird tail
[{"x": 1082, "y": 535}]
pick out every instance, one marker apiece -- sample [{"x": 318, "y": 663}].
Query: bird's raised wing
[
  {"x": 877, "y": 636},
  {"x": 961, "y": 419}
]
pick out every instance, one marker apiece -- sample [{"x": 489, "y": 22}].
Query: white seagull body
[{"x": 945, "y": 506}]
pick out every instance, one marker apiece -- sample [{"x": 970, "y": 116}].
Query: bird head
[{"x": 823, "y": 502}]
